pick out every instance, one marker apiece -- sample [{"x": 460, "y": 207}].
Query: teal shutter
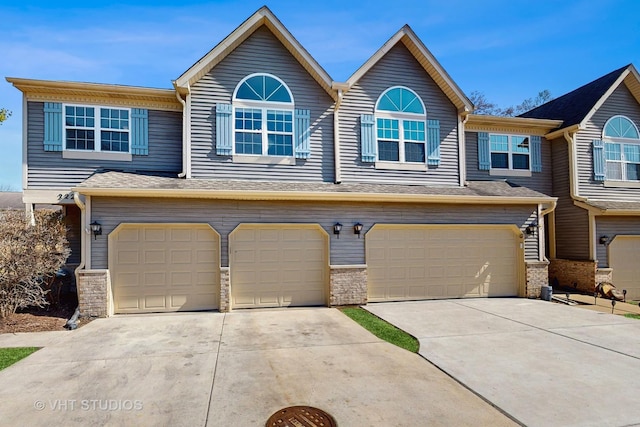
[
  {"x": 52, "y": 126},
  {"x": 536, "y": 153},
  {"x": 433, "y": 142},
  {"x": 224, "y": 130},
  {"x": 139, "y": 132},
  {"x": 484, "y": 154},
  {"x": 367, "y": 138},
  {"x": 303, "y": 143},
  {"x": 599, "y": 160}
]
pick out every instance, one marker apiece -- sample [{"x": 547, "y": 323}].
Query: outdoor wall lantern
[
  {"x": 337, "y": 228},
  {"x": 604, "y": 240},
  {"x": 96, "y": 229},
  {"x": 531, "y": 228},
  {"x": 357, "y": 229}
]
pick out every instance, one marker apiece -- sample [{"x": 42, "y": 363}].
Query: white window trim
[
  {"x": 624, "y": 182},
  {"x": 97, "y": 144},
  {"x": 263, "y": 106},
  {"x": 263, "y": 159},
  {"x": 119, "y": 156},
  {"x": 400, "y": 117},
  {"x": 264, "y": 132},
  {"x": 622, "y": 161},
  {"x": 510, "y": 171},
  {"x": 401, "y": 164}
]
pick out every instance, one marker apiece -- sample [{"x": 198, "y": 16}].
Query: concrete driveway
[
  {"x": 233, "y": 369},
  {"x": 542, "y": 363}
]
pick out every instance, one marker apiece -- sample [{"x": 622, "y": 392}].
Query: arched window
[
  {"x": 401, "y": 133},
  {"x": 622, "y": 149},
  {"x": 263, "y": 116}
]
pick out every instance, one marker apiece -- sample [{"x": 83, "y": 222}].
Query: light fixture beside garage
[
  {"x": 604, "y": 240},
  {"x": 357, "y": 229},
  {"x": 337, "y": 228},
  {"x": 96, "y": 229},
  {"x": 531, "y": 228}
]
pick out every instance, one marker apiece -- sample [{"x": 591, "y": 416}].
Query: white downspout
[
  {"x": 186, "y": 146},
  {"x": 575, "y": 192},
  {"x": 573, "y": 167},
  {"x": 83, "y": 234},
  {"x": 462, "y": 150},
  {"x": 336, "y": 139}
]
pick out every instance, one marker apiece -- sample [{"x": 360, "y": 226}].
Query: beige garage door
[
  {"x": 164, "y": 267},
  {"x": 624, "y": 254},
  {"x": 412, "y": 262},
  {"x": 278, "y": 265}
]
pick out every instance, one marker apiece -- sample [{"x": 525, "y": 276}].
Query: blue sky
[{"x": 508, "y": 49}]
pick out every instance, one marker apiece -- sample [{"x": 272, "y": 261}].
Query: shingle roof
[
  {"x": 574, "y": 106},
  {"x": 614, "y": 205},
  {"x": 128, "y": 181}
]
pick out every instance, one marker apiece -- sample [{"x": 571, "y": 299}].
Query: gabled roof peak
[
  {"x": 577, "y": 106},
  {"x": 425, "y": 58},
  {"x": 262, "y": 17}
]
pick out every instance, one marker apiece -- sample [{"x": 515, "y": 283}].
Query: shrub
[{"x": 30, "y": 255}]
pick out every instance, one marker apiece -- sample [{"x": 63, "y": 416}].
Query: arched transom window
[
  {"x": 400, "y": 126},
  {"x": 263, "y": 116},
  {"x": 622, "y": 149}
]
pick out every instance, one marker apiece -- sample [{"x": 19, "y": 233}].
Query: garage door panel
[
  {"x": 153, "y": 279},
  {"x": 624, "y": 256},
  {"x": 288, "y": 265},
  {"x": 165, "y": 267},
  {"x": 423, "y": 261},
  {"x": 154, "y": 235}
]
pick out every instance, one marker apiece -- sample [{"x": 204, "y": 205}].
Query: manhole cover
[{"x": 301, "y": 416}]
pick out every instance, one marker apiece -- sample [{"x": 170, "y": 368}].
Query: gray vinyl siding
[
  {"x": 620, "y": 102},
  {"x": 260, "y": 53},
  {"x": 47, "y": 169},
  {"x": 611, "y": 227},
  {"x": 74, "y": 233},
  {"x": 572, "y": 222},
  {"x": 539, "y": 181},
  {"x": 224, "y": 216},
  {"x": 397, "y": 68}
]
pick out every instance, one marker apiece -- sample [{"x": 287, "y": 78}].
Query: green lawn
[
  {"x": 382, "y": 329},
  {"x": 632, "y": 316},
  {"x": 9, "y": 356}
]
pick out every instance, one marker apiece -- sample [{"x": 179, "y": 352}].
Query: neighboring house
[
  {"x": 258, "y": 181},
  {"x": 596, "y": 177}
]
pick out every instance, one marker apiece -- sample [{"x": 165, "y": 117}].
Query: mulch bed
[{"x": 49, "y": 318}]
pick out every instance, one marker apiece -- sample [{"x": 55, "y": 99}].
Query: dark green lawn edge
[
  {"x": 382, "y": 329},
  {"x": 632, "y": 316},
  {"x": 9, "y": 356}
]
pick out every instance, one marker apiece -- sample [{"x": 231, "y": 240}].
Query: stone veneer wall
[
  {"x": 348, "y": 285},
  {"x": 225, "y": 290},
  {"x": 574, "y": 274},
  {"x": 93, "y": 292},
  {"x": 537, "y": 273}
]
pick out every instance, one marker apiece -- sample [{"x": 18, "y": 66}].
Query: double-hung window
[
  {"x": 263, "y": 116},
  {"x": 509, "y": 152},
  {"x": 400, "y": 126},
  {"x": 622, "y": 149},
  {"x": 90, "y": 128}
]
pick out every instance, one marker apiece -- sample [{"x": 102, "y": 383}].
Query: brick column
[
  {"x": 225, "y": 290},
  {"x": 537, "y": 273},
  {"x": 348, "y": 285},
  {"x": 93, "y": 292}
]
